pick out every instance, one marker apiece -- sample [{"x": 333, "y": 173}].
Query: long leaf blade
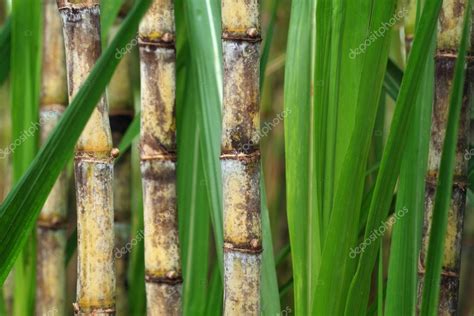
[
  {"x": 302, "y": 218},
  {"x": 434, "y": 260},
  {"x": 406, "y": 236}
]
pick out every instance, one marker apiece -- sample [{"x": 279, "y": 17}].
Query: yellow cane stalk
[
  {"x": 93, "y": 166},
  {"x": 51, "y": 227},
  {"x": 158, "y": 159},
  {"x": 240, "y": 157}
]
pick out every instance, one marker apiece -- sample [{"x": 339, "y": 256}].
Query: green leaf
[
  {"x": 198, "y": 126},
  {"x": 193, "y": 199},
  {"x": 434, "y": 260},
  {"x": 268, "y": 39},
  {"x": 109, "y": 10},
  {"x": 204, "y": 36},
  {"x": 23, "y": 204},
  {"x": 337, "y": 266},
  {"x": 393, "y": 79},
  {"x": 282, "y": 255},
  {"x": 71, "y": 246},
  {"x": 303, "y": 218},
  {"x": 130, "y": 135},
  {"x": 25, "y": 77},
  {"x": 215, "y": 301},
  {"x": 5, "y": 48},
  {"x": 392, "y": 156},
  {"x": 380, "y": 280},
  {"x": 269, "y": 290},
  {"x": 406, "y": 236}
]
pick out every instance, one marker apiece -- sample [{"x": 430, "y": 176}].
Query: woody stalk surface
[
  {"x": 93, "y": 166},
  {"x": 158, "y": 159},
  {"x": 240, "y": 157},
  {"x": 51, "y": 227}
]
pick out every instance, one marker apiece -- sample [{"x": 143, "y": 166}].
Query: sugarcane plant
[
  {"x": 449, "y": 37},
  {"x": 351, "y": 183},
  {"x": 120, "y": 99},
  {"x": 51, "y": 227},
  {"x": 93, "y": 165},
  {"x": 240, "y": 157},
  {"x": 163, "y": 274}
]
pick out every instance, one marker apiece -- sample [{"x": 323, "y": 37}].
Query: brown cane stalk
[
  {"x": 240, "y": 157},
  {"x": 448, "y": 40},
  {"x": 51, "y": 226},
  {"x": 93, "y": 166},
  {"x": 158, "y": 159}
]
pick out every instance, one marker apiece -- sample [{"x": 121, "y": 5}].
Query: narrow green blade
[
  {"x": 406, "y": 235},
  {"x": 215, "y": 301},
  {"x": 303, "y": 218},
  {"x": 5, "y": 48},
  {"x": 206, "y": 56},
  {"x": 269, "y": 290},
  {"x": 434, "y": 260},
  {"x": 199, "y": 98},
  {"x": 268, "y": 39},
  {"x": 25, "y": 78},
  {"x": 109, "y": 10},
  {"x": 131, "y": 134},
  {"x": 393, "y": 80},
  {"x": 193, "y": 199}
]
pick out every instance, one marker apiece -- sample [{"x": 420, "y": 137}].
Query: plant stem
[
  {"x": 449, "y": 38},
  {"x": 158, "y": 159},
  {"x": 240, "y": 157},
  {"x": 93, "y": 166},
  {"x": 121, "y": 115},
  {"x": 51, "y": 226}
]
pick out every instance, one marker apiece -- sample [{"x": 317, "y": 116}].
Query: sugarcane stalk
[
  {"x": 93, "y": 166},
  {"x": 121, "y": 115},
  {"x": 163, "y": 274},
  {"x": 240, "y": 157},
  {"x": 448, "y": 40},
  {"x": 51, "y": 225}
]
